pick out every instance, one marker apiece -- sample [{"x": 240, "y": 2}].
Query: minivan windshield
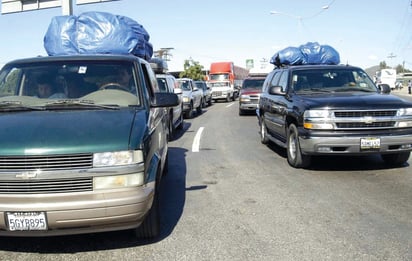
[
  {"x": 332, "y": 80},
  {"x": 78, "y": 83}
]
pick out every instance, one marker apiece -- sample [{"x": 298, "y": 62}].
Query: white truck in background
[{"x": 386, "y": 76}]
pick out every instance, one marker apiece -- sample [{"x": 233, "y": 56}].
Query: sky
[{"x": 364, "y": 33}]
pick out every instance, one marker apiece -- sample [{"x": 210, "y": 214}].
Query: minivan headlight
[
  {"x": 117, "y": 158},
  {"x": 118, "y": 181}
]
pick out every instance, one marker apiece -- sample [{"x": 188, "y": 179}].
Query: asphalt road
[{"x": 232, "y": 198}]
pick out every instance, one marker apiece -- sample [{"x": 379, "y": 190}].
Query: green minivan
[{"x": 83, "y": 145}]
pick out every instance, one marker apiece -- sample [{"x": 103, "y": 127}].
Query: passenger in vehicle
[
  {"x": 46, "y": 88},
  {"x": 124, "y": 77}
]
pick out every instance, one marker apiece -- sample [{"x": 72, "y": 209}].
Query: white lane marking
[
  {"x": 196, "y": 141},
  {"x": 227, "y": 106}
]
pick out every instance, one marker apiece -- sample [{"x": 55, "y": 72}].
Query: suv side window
[
  {"x": 171, "y": 82},
  {"x": 283, "y": 81},
  {"x": 275, "y": 78},
  {"x": 150, "y": 80},
  {"x": 267, "y": 82}
]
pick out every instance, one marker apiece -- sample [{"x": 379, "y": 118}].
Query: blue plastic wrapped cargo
[
  {"x": 309, "y": 53},
  {"x": 97, "y": 33}
]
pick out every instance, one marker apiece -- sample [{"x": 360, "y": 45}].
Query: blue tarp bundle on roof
[
  {"x": 97, "y": 32},
  {"x": 309, "y": 53}
]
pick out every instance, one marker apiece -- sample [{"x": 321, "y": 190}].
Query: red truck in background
[{"x": 225, "y": 79}]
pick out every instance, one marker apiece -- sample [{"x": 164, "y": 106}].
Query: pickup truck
[
  {"x": 333, "y": 110},
  {"x": 192, "y": 97},
  {"x": 88, "y": 160}
]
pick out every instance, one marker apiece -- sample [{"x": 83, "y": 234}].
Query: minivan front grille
[
  {"x": 46, "y": 186},
  {"x": 46, "y": 162}
]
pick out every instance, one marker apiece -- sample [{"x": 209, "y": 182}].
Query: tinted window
[
  {"x": 275, "y": 79},
  {"x": 69, "y": 80},
  {"x": 253, "y": 83},
  {"x": 333, "y": 80},
  {"x": 161, "y": 82},
  {"x": 283, "y": 80}
]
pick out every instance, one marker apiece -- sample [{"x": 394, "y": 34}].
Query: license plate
[
  {"x": 23, "y": 221},
  {"x": 370, "y": 143}
]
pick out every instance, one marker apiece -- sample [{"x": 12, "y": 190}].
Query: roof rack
[{"x": 159, "y": 66}]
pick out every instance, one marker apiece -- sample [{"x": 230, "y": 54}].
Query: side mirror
[
  {"x": 164, "y": 99},
  {"x": 276, "y": 90}
]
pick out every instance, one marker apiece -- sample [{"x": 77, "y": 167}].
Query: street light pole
[{"x": 67, "y": 7}]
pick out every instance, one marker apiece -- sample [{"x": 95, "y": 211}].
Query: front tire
[
  {"x": 180, "y": 126},
  {"x": 295, "y": 157},
  {"x": 150, "y": 227},
  {"x": 189, "y": 113},
  {"x": 199, "y": 109},
  {"x": 228, "y": 98},
  {"x": 171, "y": 127}
]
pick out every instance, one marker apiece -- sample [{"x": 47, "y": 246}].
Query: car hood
[
  {"x": 351, "y": 100},
  {"x": 67, "y": 132}
]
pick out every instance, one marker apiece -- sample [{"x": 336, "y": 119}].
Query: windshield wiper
[
  {"x": 314, "y": 90},
  {"x": 351, "y": 89},
  {"x": 80, "y": 103},
  {"x": 17, "y": 105}
]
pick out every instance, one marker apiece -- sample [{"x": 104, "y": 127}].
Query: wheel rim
[
  {"x": 292, "y": 145},
  {"x": 262, "y": 131}
]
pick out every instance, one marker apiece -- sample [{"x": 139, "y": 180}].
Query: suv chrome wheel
[
  {"x": 295, "y": 157},
  {"x": 263, "y": 136}
]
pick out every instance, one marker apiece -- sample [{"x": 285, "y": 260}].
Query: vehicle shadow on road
[
  {"x": 172, "y": 201},
  {"x": 345, "y": 163},
  {"x": 341, "y": 163},
  {"x": 178, "y": 133}
]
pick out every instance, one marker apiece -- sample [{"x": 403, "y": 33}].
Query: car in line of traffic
[
  {"x": 323, "y": 109},
  {"x": 206, "y": 93},
  {"x": 167, "y": 83},
  {"x": 192, "y": 97},
  {"x": 250, "y": 93}
]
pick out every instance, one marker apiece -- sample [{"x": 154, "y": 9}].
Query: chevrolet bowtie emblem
[{"x": 368, "y": 119}]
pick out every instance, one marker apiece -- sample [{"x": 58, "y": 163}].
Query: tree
[
  {"x": 192, "y": 70},
  {"x": 382, "y": 65}
]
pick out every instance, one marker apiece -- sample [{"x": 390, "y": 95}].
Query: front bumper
[
  {"x": 351, "y": 145},
  {"x": 249, "y": 106},
  {"x": 78, "y": 210},
  {"x": 81, "y": 212}
]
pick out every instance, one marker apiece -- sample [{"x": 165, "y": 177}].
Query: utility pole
[
  {"x": 391, "y": 56},
  {"x": 67, "y": 7},
  {"x": 164, "y": 53}
]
